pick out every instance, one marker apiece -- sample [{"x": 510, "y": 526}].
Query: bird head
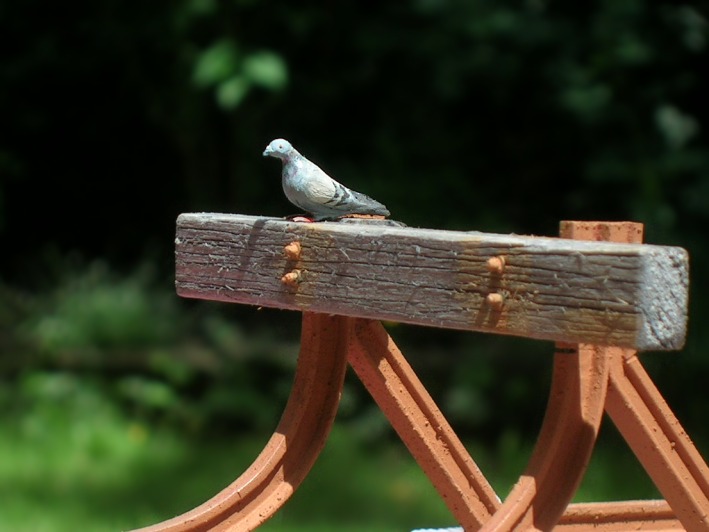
[{"x": 279, "y": 148}]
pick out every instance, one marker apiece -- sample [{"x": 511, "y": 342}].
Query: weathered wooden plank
[{"x": 628, "y": 295}]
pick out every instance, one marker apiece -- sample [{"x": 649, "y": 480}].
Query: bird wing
[{"x": 307, "y": 186}]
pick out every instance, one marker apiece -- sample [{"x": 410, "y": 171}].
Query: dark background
[{"x": 494, "y": 116}]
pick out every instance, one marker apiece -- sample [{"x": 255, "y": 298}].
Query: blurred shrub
[
  {"x": 95, "y": 309},
  {"x": 133, "y": 339}
]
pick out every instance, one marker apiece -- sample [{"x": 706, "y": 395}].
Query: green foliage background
[{"x": 500, "y": 116}]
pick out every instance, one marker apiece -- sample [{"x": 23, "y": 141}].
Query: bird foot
[{"x": 299, "y": 218}]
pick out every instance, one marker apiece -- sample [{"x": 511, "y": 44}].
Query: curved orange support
[
  {"x": 567, "y": 437},
  {"x": 291, "y": 452}
]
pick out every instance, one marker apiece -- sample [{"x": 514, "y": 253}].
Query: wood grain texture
[{"x": 629, "y": 295}]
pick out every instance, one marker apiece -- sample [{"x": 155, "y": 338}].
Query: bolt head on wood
[
  {"x": 495, "y": 301},
  {"x": 293, "y": 250},
  {"x": 496, "y": 265},
  {"x": 291, "y": 278}
]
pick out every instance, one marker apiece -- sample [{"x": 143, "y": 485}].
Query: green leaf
[
  {"x": 677, "y": 127},
  {"x": 148, "y": 392},
  {"x": 587, "y": 102},
  {"x": 231, "y": 92},
  {"x": 216, "y": 64},
  {"x": 203, "y": 7},
  {"x": 266, "y": 69}
]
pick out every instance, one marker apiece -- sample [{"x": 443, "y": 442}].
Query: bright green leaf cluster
[{"x": 233, "y": 75}]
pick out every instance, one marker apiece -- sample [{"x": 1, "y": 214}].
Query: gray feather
[{"x": 308, "y": 187}]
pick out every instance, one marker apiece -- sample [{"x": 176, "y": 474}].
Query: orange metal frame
[{"x": 587, "y": 381}]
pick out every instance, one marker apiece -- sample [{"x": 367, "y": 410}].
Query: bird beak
[{"x": 267, "y": 152}]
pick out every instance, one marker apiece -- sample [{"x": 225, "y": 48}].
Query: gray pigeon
[{"x": 308, "y": 187}]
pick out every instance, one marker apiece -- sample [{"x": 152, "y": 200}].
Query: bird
[{"x": 308, "y": 187}]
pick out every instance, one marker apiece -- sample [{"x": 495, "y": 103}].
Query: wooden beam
[{"x": 629, "y": 295}]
